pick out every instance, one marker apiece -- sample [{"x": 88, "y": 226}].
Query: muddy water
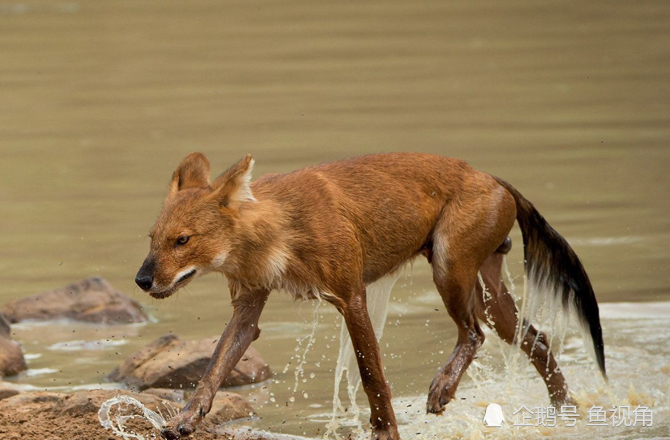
[{"x": 568, "y": 101}]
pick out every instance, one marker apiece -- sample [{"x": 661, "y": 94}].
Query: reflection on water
[{"x": 568, "y": 101}]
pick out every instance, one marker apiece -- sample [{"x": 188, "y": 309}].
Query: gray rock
[
  {"x": 6, "y": 392},
  {"x": 50, "y": 416},
  {"x": 229, "y": 406},
  {"x": 91, "y": 300},
  {"x": 85, "y": 402},
  {"x": 5, "y": 329},
  {"x": 11, "y": 355},
  {"x": 226, "y": 406},
  {"x": 170, "y": 362},
  {"x": 26, "y": 401},
  {"x": 177, "y": 396}
]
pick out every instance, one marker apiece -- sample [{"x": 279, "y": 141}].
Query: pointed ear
[
  {"x": 232, "y": 187},
  {"x": 192, "y": 172}
]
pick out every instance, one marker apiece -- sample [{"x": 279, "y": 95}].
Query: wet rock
[
  {"x": 226, "y": 406},
  {"x": 26, "y": 402},
  {"x": 5, "y": 329},
  {"x": 229, "y": 406},
  {"x": 89, "y": 401},
  {"x": 170, "y": 362},
  {"x": 6, "y": 392},
  {"x": 76, "y": 404},
  {"x": 177, "y": 396},
  {"x": 91, "y": 300},
  {"x": 11, "y": 358},
  {"x": 57, "y": 416},
  {"x": 11, "y": 355}
]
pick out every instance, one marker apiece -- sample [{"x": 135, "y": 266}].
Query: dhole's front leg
[
  {"x": 369, "y": 360},
  {"x": 239, "y": 334}
]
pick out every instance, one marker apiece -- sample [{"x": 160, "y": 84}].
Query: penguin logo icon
[{"x": 494, "y": 415}]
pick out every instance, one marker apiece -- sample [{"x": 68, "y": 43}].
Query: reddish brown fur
[{"x": 329, "y": 231}]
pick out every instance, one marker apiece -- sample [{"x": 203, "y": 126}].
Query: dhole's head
[{"x": 195, "y": 227}]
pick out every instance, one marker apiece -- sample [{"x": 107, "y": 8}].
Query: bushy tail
[{"x": 551, "y": 264}]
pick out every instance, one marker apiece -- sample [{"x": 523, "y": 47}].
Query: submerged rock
[
  {"x": 91, "y": 300},
  {"x": 170, "y": 362},
  {"x": 11, "y": 355}
]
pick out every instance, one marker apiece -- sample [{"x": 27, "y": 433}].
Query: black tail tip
[{"x": 600, "y": 359}]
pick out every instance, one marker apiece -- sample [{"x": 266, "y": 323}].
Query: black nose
[
  {"x": 144, "y": 281},
  {"x": 145, "y": 276}
]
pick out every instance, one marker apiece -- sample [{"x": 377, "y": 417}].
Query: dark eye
[{"x": 182, "y": 240}]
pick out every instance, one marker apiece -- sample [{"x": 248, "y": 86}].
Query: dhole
[{"x": 327, "y": 231}]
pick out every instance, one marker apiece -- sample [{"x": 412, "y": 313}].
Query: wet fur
[{"x": 328, "y": 231}]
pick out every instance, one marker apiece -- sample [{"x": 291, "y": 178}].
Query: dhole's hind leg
[
  {"x": 498, "y": 311},
  {"x": 456, "y": 262},
  {"x": 456, "y": 292},
  {"x": 466, "y": 234}
]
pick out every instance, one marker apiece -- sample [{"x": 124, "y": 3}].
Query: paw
[
  {"x": 176, "y": 432},
  {"x": 182, "y": 426},
  {"x": 440, "y": 393},
  {"x": 385, "y": 434},
  {"x": 169, "y": 433}
]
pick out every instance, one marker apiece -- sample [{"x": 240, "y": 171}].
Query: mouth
[
  {"x": 185, "y": 277},
  {"x": 172, "y": 289},
  {"x": 161, "y": 295}
]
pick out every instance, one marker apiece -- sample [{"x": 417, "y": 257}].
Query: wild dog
[{"x": 328, "y": 231}]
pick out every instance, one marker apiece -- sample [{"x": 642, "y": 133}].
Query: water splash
[
  {"x": 639, "y": 375},
  {"x": 377, "y": 299},
  {"x": 124, "y": 406},
  {"x": 536, "y": 307},
  {"x": 311, "y": 338}
]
